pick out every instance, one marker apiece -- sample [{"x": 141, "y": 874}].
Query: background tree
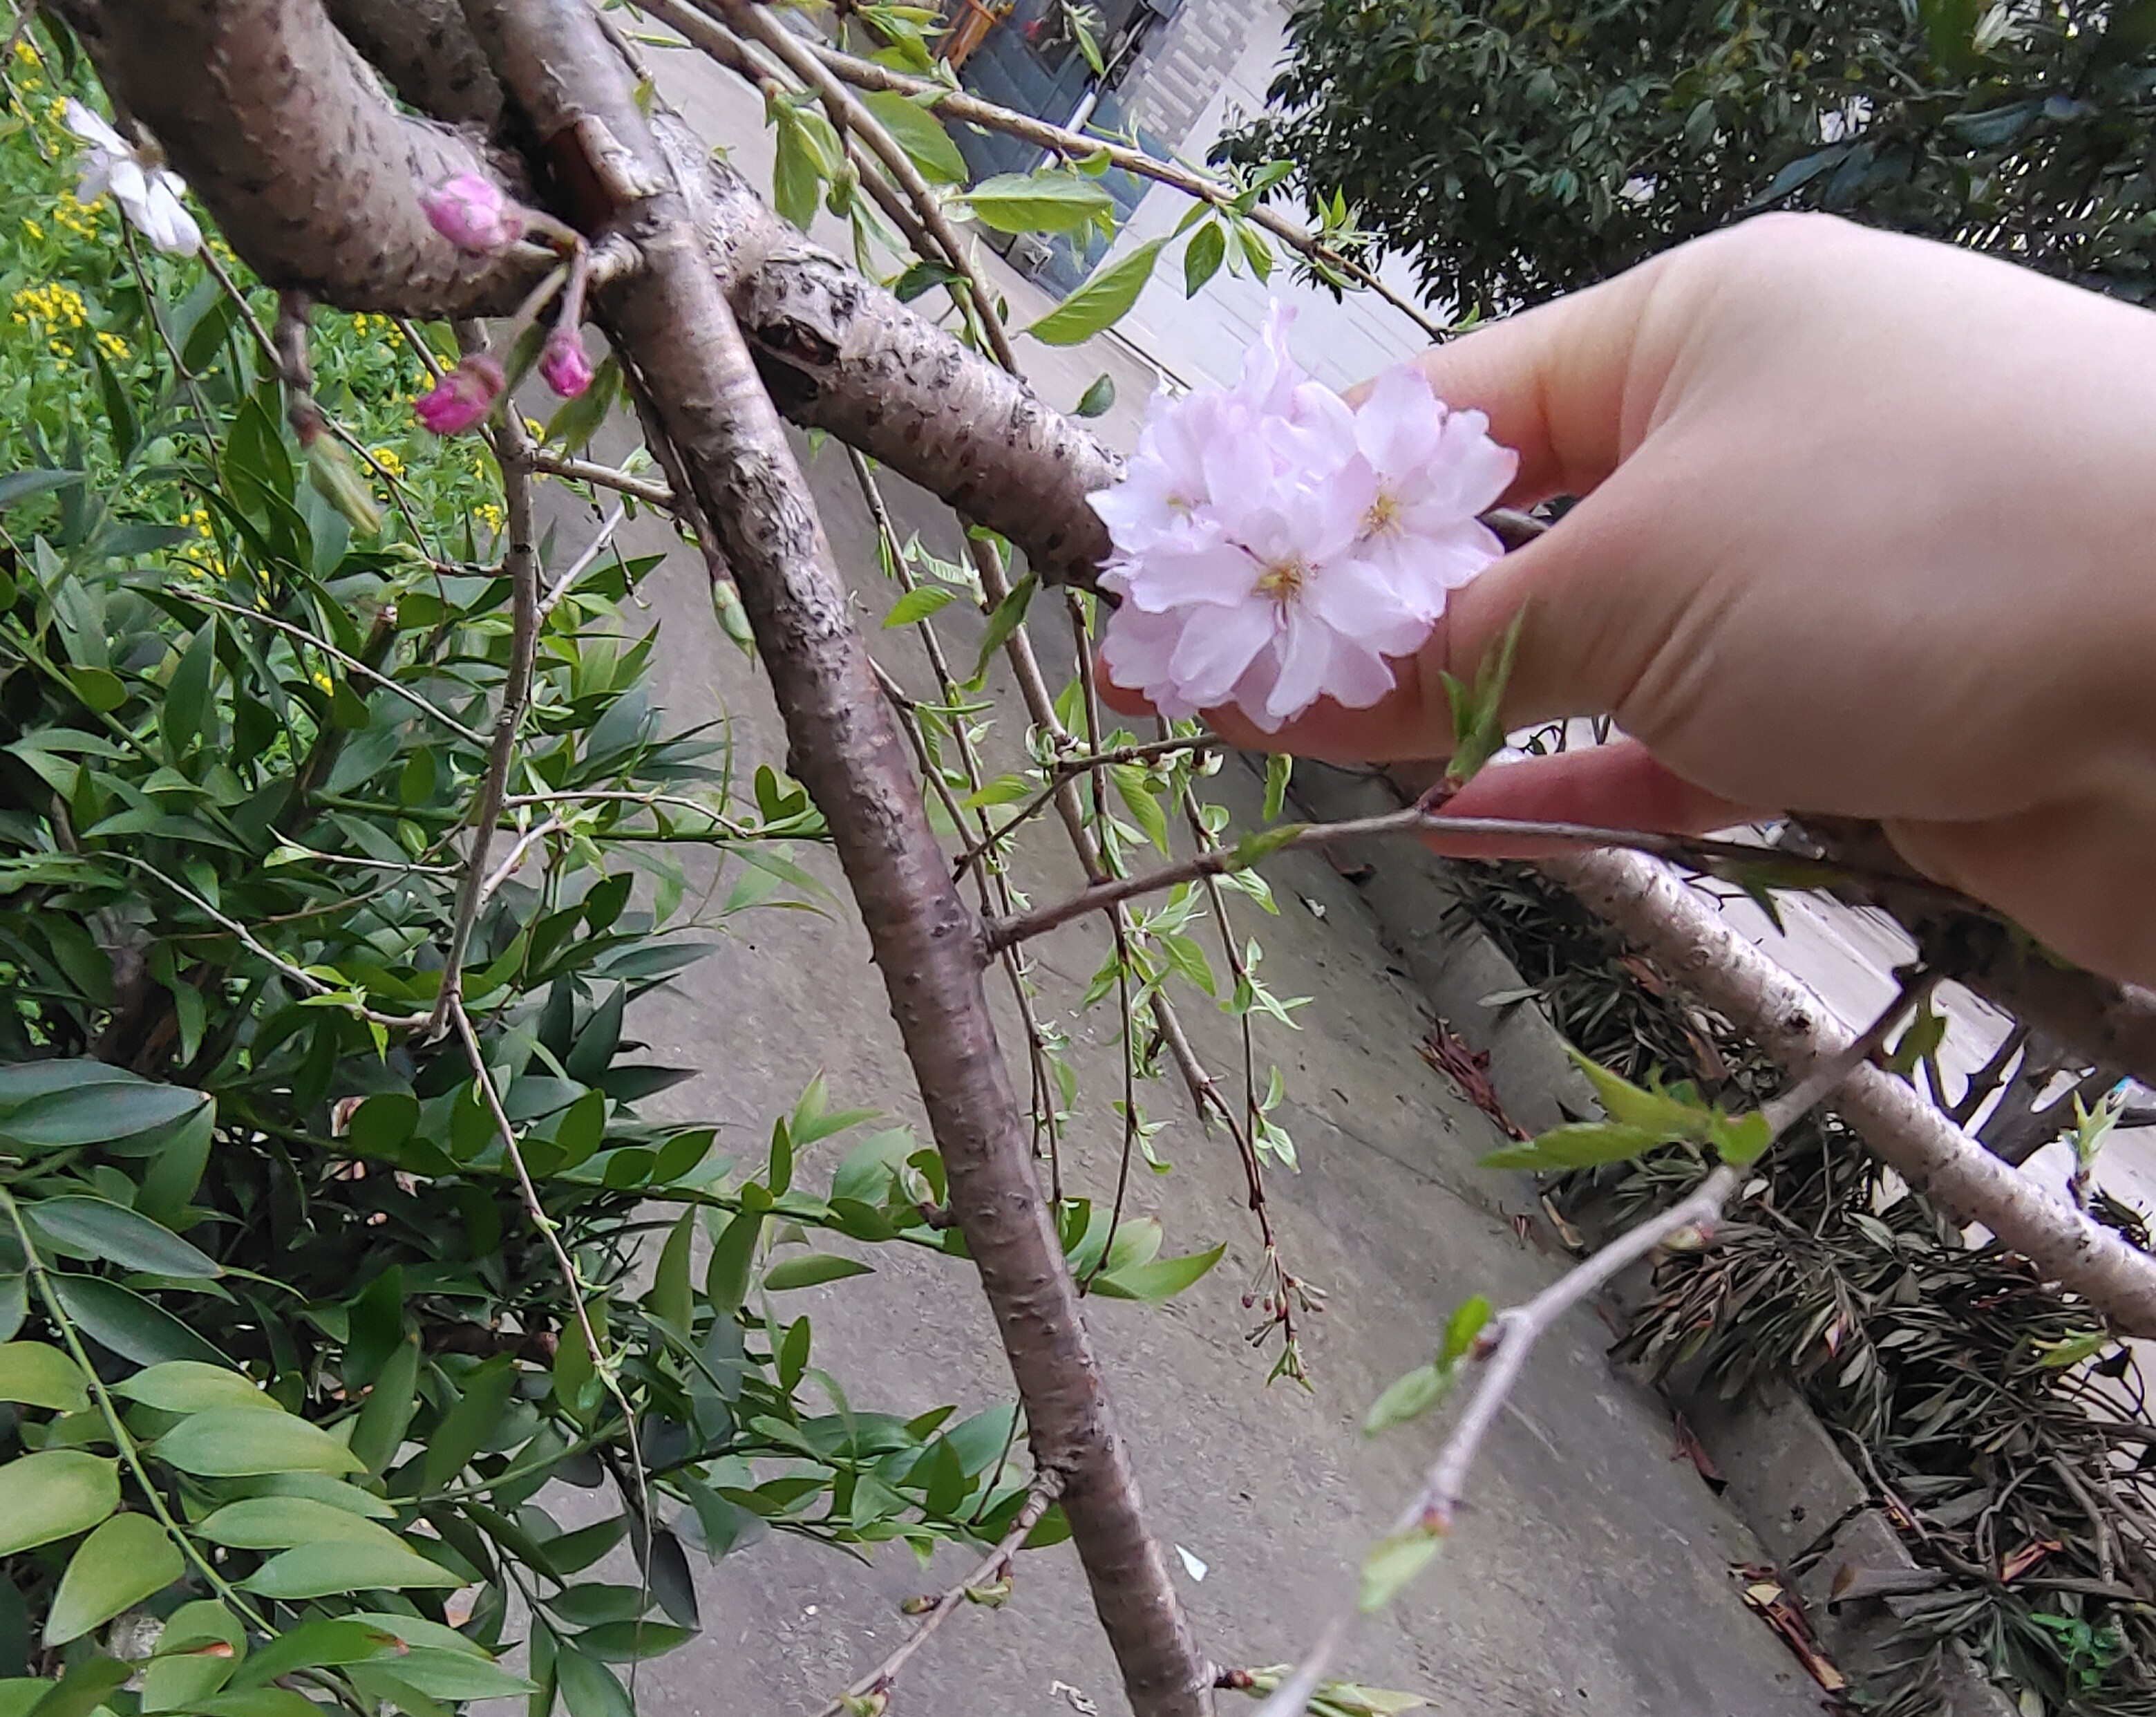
[{"x": 1518, "y": 148}]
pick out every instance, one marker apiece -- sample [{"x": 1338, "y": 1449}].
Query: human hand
[{"x": 1868, "y": 527}]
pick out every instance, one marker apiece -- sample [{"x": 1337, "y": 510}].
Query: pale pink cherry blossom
[
  {"x": 1274, "y": 547},
  {"x": 147, "y": 190},
  {"x": 1434, "y": 471}
]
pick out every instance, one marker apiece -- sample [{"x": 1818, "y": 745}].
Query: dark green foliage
[{"x": 1518, "y": 148}]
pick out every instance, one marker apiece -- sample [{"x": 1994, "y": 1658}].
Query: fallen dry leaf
[
  {"x": 1470, "y": 1070},
  {"x": 2027, "y": 1557},
  {"x": 1774, "y": 1604},
  {"x": 1689, "y": 1447}
]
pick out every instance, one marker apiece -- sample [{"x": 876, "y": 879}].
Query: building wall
[{"x": 1228, "y": 50}]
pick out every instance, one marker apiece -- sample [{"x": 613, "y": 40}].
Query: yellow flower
[
  {"x": 324, "y": 681},
  {"x": 537, "y": 428},
  {"x": 77, "y": 218},
  {"x": 58, "y": 305},
  {"x": 389, "y": 459},
  {"x": 26, "y": 53},
  {"x": 488, "y": 514},
  {"x": 115, "y": 347},
  {"x": 34, "y": 229}
]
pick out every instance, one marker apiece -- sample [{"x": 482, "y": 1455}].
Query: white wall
[{"x": 1201, "y": 340}]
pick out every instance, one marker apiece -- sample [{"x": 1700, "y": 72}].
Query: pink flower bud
[
  {"x": 563, "y": 364},
  {"x": 474, "y": 214},
  {"x": 462, "y": 399}
]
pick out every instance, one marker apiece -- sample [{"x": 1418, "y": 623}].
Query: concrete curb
[{"x": 1787, "y": 1479}]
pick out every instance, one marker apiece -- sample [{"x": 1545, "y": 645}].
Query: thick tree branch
[
  {"x": 674, "y": 333},
  {"x": 427, "y": 51},
  {"x": 1687, "y": 938},
  {"x": 281, "y": 130}
]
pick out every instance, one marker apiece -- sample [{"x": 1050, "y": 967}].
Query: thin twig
[
  {"x": 992, "y": 1568},
  {"x": 582, "y": 563},
  {"x": 1511, "y": 1337},
  {"x": 1069, "y": 769},
  {"x": 583, "y": 470},
  {"x": 1082, "y": 145},
  {"x": 512, "y": 448},
  {"x": 351, "y": 664},
  {"x": 1728, "y": 860}
]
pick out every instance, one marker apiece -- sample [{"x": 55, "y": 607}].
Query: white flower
[
  {"x": 147, "y": 191},
  {"x": 1274, "y": 547}
]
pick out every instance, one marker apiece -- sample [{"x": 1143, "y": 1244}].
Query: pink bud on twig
[
  {"x": 462, "y": 399},
  {"x": 563, "y": 364},
  {"x": 473, "y": 214}
]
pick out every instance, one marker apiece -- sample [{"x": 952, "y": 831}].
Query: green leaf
[
  {"x": 1202, "y": 256},
  {"x": 40, "y": 1376},
  {"x": 101, "y": 689},
  {"x": 1101, "y": 300},
  {"x": 78, "y": 1225},
  {"x": 19, "y": 486},
  {"x": 1391, "y": 1564},
  {"x": 326, "y": 1642},
  {"x": 186, "y": 695},
  {"x": 588, "y": 1687},
  {"x": 1097, "y": 397},
  {"x": 1408, "y": 1396},
  {"x": 278, "y": 1523},
  {"x": 130, "y": 1557},
  {"x": 2059, "y": 1355},
  {"x": 920, "y": 133},
  {"x": 1464, "y": 1326},
  {"x": 1259, "y": 845},
  {"x": 811, "y": 1270},
  {"x": 188, "y": 1386},
  {"x": 1054, "y": 200},
  {"x": 1279, "y": 767},
  {"x": 321, "y": 1571},
  {"x": 55, "y": 1493},
  {"x": 1135, "y": 787},
  {"x": 470, "y": 1425},
  {"x": 443, "y": 1674},
  {"x": 1628, "y": 1105},
  {"x": 918, "y": 604},
  {"x": 1743, "y": 1140},
  {"x": 380, "y": 1124},
  {"x": 120, "y": 1318},
  {"x": 83, "y": 1689},
  {"x": 1008, "y": 616},
  {"x": 672, "y": 1299},
  {"x": 1582, "y": 1144},
  {"x": 97, "y": 1113},
  {"x": 237, "y": 1442},
  {"x": 1162, "y": 1279},
  {"x": 1478, "y": 724},
  {"x": 626, "y": 1641}
]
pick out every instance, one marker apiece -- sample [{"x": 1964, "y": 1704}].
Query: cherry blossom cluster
[{"x": 1275, "y": 545}]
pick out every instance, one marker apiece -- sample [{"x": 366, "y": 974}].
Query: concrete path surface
[{"x": 1593, "y": 1575}]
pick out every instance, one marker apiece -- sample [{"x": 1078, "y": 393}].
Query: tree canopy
[{"x": 1518, "y": 148}]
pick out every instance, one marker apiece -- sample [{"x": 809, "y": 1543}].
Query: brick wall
[{"x": 1187, "y": 59}]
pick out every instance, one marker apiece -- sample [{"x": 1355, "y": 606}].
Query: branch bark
[
  {"x": 1691, "y": 942},
  {"x": 674, "y": 333},
  {"x": 314, "y": 176}
]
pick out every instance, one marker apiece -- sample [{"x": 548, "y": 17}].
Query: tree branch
[
  {"x": 992, "y": 1567},
  {"x": 512, "y": 446},
  {"x": 1726, "y": 859},
  {"x": 1083, "y": 145},
  {"x": 1685, "y": 937},
  {"x": 279, "y": 126},
  {"x": 1503, "y": 1348},
  {"x": 687, "y": 357}
]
